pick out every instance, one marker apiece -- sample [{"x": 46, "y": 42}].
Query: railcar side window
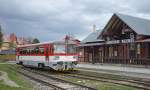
[
  {"x": 41, "y": 50},
  {"x": 20, "y": 51},
  {"x": 24, "y": 51},
  {"x": 37, "y": 50},
  {"x": 46, "y": 50},
  {"x": 28, "y": 51},
  {"x": 32, "y": 51}
]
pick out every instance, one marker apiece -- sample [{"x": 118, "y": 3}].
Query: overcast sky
[{"x": 53, "y": 19}]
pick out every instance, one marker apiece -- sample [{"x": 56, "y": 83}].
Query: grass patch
[
  {"x": 14, "y": 76},
  {"x": 7, "y": 57}
]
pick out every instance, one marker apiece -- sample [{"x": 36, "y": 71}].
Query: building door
[
  {"x": 148, "y": 50},
  {"x": 132, "y": 51},
  {"x": 90, "y": 57},
  {"x": 101, "y": 56}
]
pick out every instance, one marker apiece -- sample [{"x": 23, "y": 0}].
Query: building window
[
  {"x": 138, "y": 49},
  {"x": 110, "y": 51},
  {"x": 115, "y": 53},
  {"x": 132, "y": 46}
]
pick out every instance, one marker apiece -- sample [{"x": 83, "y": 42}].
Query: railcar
[{"x": 57, "y": 55}]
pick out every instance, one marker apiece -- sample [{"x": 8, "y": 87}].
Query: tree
[
  {"x": 1, "y": 37},
  {"x": 35, "y": 40}
]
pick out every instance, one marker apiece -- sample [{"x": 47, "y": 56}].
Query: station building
[{"x": 124, "y": 40}]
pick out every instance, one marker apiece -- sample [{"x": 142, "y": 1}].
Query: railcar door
[{"x": 47, "y": 55}]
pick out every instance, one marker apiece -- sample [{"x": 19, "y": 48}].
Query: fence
[
  {"x": 6, "y": 55},
  {"x": 113, "y": 60}
]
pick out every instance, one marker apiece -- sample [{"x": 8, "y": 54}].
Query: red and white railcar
[{"x": 60, "y": 55}]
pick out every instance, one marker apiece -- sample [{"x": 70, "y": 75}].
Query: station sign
[{"x": 120, "y": 41}]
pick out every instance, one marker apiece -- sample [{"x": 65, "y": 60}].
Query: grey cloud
[
  {"x": 52, "y": 19},
  {"x": 141, "y": 6}
]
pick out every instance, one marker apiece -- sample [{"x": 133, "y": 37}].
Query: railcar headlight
[{"x": 60, "y": 63}]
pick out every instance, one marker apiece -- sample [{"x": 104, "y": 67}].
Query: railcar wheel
[
  {"x": 20, "y": 63},
  {"x": 40, "y": 65}
]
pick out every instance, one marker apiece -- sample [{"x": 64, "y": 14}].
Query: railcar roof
[
  {"x": 45, "y": 43},
  {"x": 37, "y": 44}
]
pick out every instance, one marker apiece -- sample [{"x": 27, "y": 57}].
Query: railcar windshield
[
  {"x": 65, "y": 48},
  {"x": 71, "y": 48},
  {"x": 59, "y": 48}
]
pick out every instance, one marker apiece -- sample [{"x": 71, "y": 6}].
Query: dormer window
[
  {"x": 124, "y": 31},
  {"x": 131, "y": 36},
  {"x": 107, "y": 38}
]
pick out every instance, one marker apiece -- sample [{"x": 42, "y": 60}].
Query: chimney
[{"x": 94, "y": 28}]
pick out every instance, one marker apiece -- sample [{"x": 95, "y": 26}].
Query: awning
[
  {"x": 145, "y": 40},
  {"x": 91, "y": 44}
]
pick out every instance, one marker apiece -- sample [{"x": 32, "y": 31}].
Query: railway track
[
  {"x": 131, "y": 82},
  {"x": 119, "y": 82},
  {"x": 52, "y": 81},
  {"x": 145, "y": 82}
]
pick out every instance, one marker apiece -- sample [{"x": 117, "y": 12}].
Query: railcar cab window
[
  {"x": 59, "y": 48},
  {"x": 71, "y": 49}
]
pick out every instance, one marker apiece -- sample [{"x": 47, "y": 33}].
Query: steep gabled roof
[
  {"x": 139, "y": 25},
  {"x": 93, "y": 37}
]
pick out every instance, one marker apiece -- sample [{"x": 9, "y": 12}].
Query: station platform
[{"x": 117, "y": 69}]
